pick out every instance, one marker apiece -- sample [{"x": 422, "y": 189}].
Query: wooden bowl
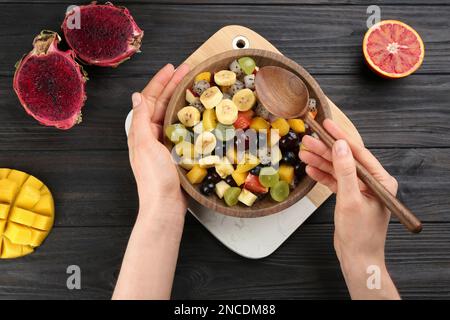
[{"x": 219, "y": 62}]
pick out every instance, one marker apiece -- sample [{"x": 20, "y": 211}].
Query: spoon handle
[{"x": 406, "y": 217}]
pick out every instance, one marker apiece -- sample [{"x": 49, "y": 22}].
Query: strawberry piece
[
  {"x": 252, "y": 184},
  {"x": 249, "y": 113},
  {"x": 243, "y": 120}
]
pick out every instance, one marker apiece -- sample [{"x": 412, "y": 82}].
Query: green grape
[
  {"x": 247, "y": 64},
  {"x": 268, "y": 177},
  {"x": 176, "y": 132},
  {"x": 224, "y": 132},
  {"x": 280, "y": 191},
  {"x": 231, "y": 196}
]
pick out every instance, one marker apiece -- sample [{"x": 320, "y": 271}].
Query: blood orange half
[{"x": 393, "y": 49}]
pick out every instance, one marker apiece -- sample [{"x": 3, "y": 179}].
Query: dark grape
[
  {"x": 299, "y": 170},
  {"x": 255, "y": 171},
  {"x": 290, "y": 157},
  {"x": 289, "y": 141},
  {"x": 207, "y": 188},
  {"x": 212, "y": 177},
  {"x": 230, "y": 181}
]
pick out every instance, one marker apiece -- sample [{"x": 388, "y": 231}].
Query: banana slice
[
  {"x": 211, "y": 97},
  {"x": 185, "y": 149},
  {"x": 189, "y": 116},
  {"x": 224, "y": 168},
  {"x": 225, "y": 78},
  {"x": 205, "y": 143},
  {"x": 208, "y": 162},
  {"x": 226, "y": 112},
  {"x": 244, "y": 99}
]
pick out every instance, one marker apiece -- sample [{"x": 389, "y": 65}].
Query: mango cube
[
  {"x": 297, "y": 125},
  {"x": 28, "y": 197},
  {"x": 259, "y": 124},
  {"x": 286, "y": 173},
  {"x": 239, "y": 177},
  {"x": 248, "y": 163},
  {"x": 196, "y": 174},
  {"x": 281, "y": 125},
  {"x": 4, "y": 210},
  {"x": 206, "y": 76}
]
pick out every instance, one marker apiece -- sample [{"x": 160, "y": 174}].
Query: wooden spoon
[{"x": 285, "y": 95}]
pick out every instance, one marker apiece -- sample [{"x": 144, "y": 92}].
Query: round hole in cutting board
[{"x": 240, "y": 42}]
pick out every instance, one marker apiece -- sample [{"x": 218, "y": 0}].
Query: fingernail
[
  {"x": 340, "y": 148},
  {"x": 136, "y": 99}
]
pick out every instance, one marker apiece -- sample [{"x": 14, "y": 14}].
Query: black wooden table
[{"x": 406, "y": 123}]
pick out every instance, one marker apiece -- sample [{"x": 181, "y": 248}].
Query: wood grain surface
[{"x": 405, "y": 123}]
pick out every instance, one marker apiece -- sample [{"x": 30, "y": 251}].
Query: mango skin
[{"x": 27, "y": 213}]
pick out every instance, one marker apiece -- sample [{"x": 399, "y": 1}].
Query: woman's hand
[
  {"x": 361, "y": 221},
  {"x": 153, "y": 167},
  {"x": 149, "y": 264}
]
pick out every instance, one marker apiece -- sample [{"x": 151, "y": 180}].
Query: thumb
[
  {"x": 142, "y": 113},
  {"x": 141, "y": 110},
  {"x": 345, "y": 170},
  {"x": 141, "y": 121}
]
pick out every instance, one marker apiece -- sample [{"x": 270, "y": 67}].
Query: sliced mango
[
  {"x": 239, "y": 177},
  {"x": 206, "y": 76},
  {"x": 281, "y": 125},
  {"x": 286, "y": 173},
  {"x": 26, "y": 213},
  {"x": 196, "y": 174},
  {"x": 4, "y": 210},
  {"x": 28, "y": 197},
  {"x": 4, "y": 173},
  {"x": 259, "y": 124},
  {"x": 248, "y": 163},
  {"x": 297, "y": 125}
]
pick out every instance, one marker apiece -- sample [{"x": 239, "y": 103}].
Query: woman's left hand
[{"x": 153, "y": 167}]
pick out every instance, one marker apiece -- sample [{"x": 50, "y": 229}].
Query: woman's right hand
[{"x": 361, "y": 221}]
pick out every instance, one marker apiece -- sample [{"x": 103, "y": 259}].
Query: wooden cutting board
[{"x": 230, "y": 37}]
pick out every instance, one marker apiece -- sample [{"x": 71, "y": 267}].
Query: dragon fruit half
[
  {"x": 105, "y": 35},
  {"x": 50, "y": 84}
]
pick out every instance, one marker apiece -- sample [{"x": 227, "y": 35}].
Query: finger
[
  {"x": 316, "y": 161},
  {"x": 163, "y": 99},
  {"x": 157, "y": 84},
  {"x": 321, "y": 177},
  {"x": 140, "y": 122},
  {"x": 141, "y": 112},
  {"x": 361, "y": 153},
  {"x": 316, "y": 146},
  {"x": 345, "y": 171}
]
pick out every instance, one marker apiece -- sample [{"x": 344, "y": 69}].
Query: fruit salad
[{"x": 230, "y": 145}]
